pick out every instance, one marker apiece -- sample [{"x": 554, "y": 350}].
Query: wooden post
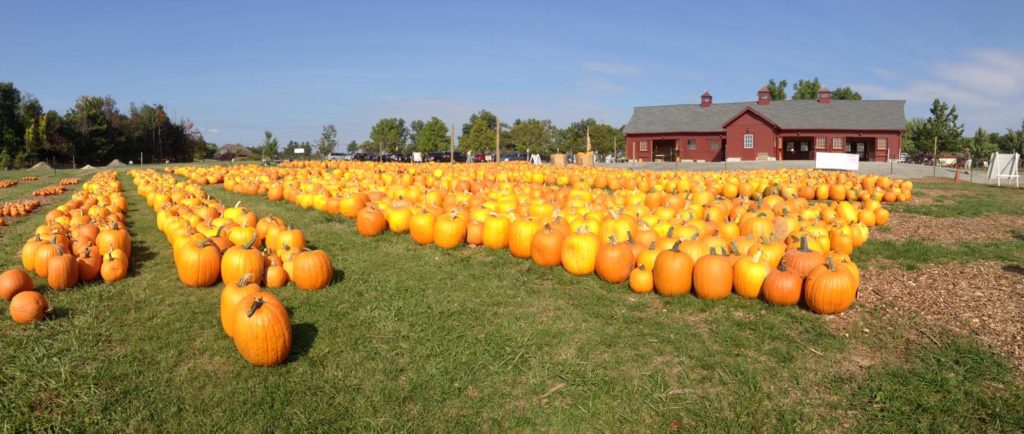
[
  {"x": 497, "y": 140},
  {"x": 451, "y": 150},
  {"x": 935, "y": 157}
]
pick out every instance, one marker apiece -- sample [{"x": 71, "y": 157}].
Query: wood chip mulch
[
  {"x": 951, "y": 230},
  {"x": 984, "y": 299}
]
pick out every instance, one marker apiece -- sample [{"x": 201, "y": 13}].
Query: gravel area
[
  {"x": 904, "y": 227},
  {"x": 984, "y": 299}
]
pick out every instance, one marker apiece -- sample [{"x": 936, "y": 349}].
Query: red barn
[{"x": 766, "y": 129}]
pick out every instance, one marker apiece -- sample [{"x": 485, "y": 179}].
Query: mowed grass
[
  {"x": 423, "y": 339},
  {"x": 964, "y": 199}
]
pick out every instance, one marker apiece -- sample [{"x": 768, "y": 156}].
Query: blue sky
[{"x": 238, "y": 68}]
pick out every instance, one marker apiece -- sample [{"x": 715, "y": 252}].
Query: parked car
[
  {"x": 339, "y": 156},
  {"x": 515, "y": 156}
]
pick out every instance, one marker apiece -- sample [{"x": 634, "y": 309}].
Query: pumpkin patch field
[{"x": 354, "y": 296}]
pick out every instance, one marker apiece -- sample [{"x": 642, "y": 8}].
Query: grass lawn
[{"x": 468, "y": 340}]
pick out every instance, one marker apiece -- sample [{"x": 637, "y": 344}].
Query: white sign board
[
  {"x": 836, "y": 161},
  {"x": 1002, "y": 166},
  {"x": 299, "y": 150},
  {"x": 417, "y": 157}
]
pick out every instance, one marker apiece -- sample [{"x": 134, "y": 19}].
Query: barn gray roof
[{"x": 789, "y": 114}]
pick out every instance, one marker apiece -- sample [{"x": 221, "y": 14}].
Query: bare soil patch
[
  {"x": 984, "y": 299},
  {"x": 906, "y": 226}
]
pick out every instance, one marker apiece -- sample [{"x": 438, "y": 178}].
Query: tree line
[
  {"x": 943, "y": 125},
  {"x": 808, "y": 89},
  {"x": 538, "y": 136},
  {"x": 93, "y": 131}
]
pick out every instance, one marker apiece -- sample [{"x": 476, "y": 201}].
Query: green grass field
[{"x": 469, "y": 340}]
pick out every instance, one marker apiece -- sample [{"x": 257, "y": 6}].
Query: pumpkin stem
[
  {"x": 675, "y": 247},
  {"x": 651, "y": 246},
  {"x": 642, "y": 267},
  {"x": 803, "y": 244},
  {"x": 611, "y": 239},
  {"x": 757, "y": 256},
  {"x": 671, "y": 230},
  {"x": 255, "y": 305},
  {"x": 831, "y": 265},
  {"x": 244, "y": 280},
  {"x": 629, "y": 237},
  {"x": 252, "y": 241},
  {"x": 694, "y": 237},
  {"x": 782, "y": 266}
]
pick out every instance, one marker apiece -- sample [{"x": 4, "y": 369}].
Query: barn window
[
  {"x": 819, "y": 143},
  {"x": 883, "y": 144},
  {"x": 691, "y": 144},
  {"x": 748, "y": 141},
  {"x": 643, "y": 146},
  {"x": 837, "y": 143},
  {"x": 713, "y": 144}
]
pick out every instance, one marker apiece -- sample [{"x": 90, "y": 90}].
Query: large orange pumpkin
[
  {"x": 14, "y": 281},
  {"x": 232, "y": 293},
  {"x": 262, "y": 331},
  {"x": 312, "y": 269},
  {"x": 712, "y": 276},
  {"x": 673, "y": 272},
  {"x": 614, "y": 261},
  {"x": 28, "y": 306},
  {"x": 829, "y": 289},
  {"x": 546, "y": 247},
  {"x": 783, "y": 286}
]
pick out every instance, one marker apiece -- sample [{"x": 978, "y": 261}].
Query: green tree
[
  {"x": 430, "y": 136},
  {"x": 916, "y": 136},
  {"x": 1012, "y": 141},
  {"x": 981, "y": 145},
  {"x": 603, "y": 137},
  {"x": 327, "y": 141},
  {"x": 806, "y": 89},
  {"x": 389, "y": 135},
  {"x": 368, "y": 146},
  {"x": 845, "y": 93},
  {"x": 533, "y": 135},
  {"x": 352, "y": 147},
  {"x": 11, "y": 128},
  {"x": 777, "y": 90},
  {"x": 269, "y": 147},
  {"x": 943, "y": 124},
  {"x": 289, "y": 150},
  {"x": 97, "y": 126}
]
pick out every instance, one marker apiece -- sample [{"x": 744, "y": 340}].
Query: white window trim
[
  {"x": 748, "y": 144},
  {"x": 819, "y": 143},
  {"x": 837, "y": 143},
  {"x": 643, "y": 146},
  {"x": 883, "y": 144}
]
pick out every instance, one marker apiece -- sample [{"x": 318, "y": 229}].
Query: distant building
[
  {"x": 766, "y": 129},
  {"x": 228, "y": 152}
]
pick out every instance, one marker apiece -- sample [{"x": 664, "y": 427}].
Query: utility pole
[
  {"x": 935, "y": 156},
  {"x": 497, "y": 140},
  {"x": 451, "y": 150}
]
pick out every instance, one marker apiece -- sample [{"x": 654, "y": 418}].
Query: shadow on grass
[
  {"x": 141, "y": 254},
  {"x": 303, "y": 336},
  {"x": 57, "y": 313}
]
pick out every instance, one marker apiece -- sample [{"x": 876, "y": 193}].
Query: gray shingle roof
[{"x": 789, "y": 114}]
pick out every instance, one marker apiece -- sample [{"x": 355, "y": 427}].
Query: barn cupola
[
  {"x": 764, "y": 96},
  {"x": 705, "y": 100},
  {"x": 824, "y": 95}
]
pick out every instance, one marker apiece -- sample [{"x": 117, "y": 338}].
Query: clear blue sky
[{"x": 237, "y": 68}]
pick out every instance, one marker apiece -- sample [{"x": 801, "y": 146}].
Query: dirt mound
[
  {"x": 115, "y": 163},
  {"x": 88, "y": 167},
  {"x": 42, "y": 165}
]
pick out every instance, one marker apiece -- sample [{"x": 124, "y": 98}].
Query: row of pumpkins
[
  {"x": 754, "y": 184},
  {"x": 213, "y": 242},
  {"x": 616, "y": 235},
  {"x": 80, "y": 241}
]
